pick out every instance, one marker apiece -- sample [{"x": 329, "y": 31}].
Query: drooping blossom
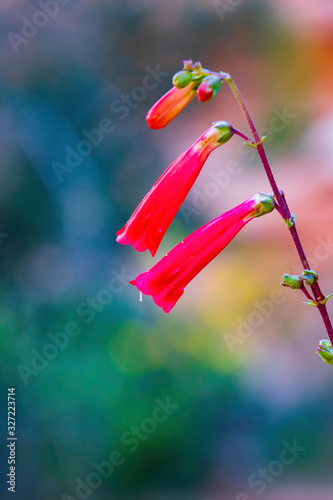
[
  {"x": 149, "y": 222},
  {"x": 170, "y": 105},
  {"x": 166, "y": 281}
]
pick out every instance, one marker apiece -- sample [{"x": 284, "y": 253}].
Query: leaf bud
[{"x": 208, "y": 88}]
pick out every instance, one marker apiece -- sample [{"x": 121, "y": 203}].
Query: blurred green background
[{"x": 235, "y": 371}]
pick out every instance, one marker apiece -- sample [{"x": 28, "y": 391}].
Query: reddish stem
[
  {"x": 306, "y": 293},
  {"x": 238, "y": 132},
  {"x": 282, "y": 204}
]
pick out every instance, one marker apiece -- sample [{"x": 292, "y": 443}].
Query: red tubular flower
[
  {"x": 149, "y": 222},
  {"x": 169, "y": 106},
  {"x": 166, "y": 281}
]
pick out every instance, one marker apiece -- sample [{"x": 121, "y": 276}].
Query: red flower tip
[
  {"x": 169, "y": 106},
  {"x": 166, "y": 281}
]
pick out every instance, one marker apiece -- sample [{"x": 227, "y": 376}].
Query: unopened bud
[
  {"x": 208, "y": 88},
  {"x": 310, "y": 277},
  {"x": 293, "y": 281},
  {"x": 325, "y": 351},
  {"x": 169, "y": 106},
  {"x": 182, "y": 79}
]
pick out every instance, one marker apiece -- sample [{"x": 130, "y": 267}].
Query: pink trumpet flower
[
  {"x": 169, "y": 106},
  {"x": 166, "y": 281},
  {"x": 151, "y": 219}
]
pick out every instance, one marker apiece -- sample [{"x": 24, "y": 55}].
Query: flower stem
[
  {"x": 306, "y": 293},
  {"x": 238, "y": 132},
  {"x": 282, "y": 204}
]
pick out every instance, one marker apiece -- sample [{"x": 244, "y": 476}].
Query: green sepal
[
  {"x": 310, "y": 277},
  {"x": 264, "y": 204},
  {"x": 316, "y": 304},
  {"x": 182, "y": 79},
  {"x": 310, "y": 303},
  {"x": 226, "y": 130},
  {"x": 256, "y": 144},
  {"x": 290, "y": 222},
  {"x": 326, "y": 298},
  {"x": 197, "y": 78},
  {"x": 325, "y": 351}
]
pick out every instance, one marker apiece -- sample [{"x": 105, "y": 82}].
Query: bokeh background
[{"x": 240, "y": 370}]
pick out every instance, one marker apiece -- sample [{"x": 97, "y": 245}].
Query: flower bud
[
  {"x": 325, "y": 351},
  {"x": 208, "y": 88},
  {"x": 169, "y": 106},
  {"x": 293, "y": 281},
  {"x": 182, "y": 79},
  {"x": 310, "y": 277}
]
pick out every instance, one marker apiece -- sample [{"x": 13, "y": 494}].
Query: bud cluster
[
  {"x": 206, "y": 84},
  {"x": 295, "y": 281}
]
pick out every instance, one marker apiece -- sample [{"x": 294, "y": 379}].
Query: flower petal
[
  {"x": 166, "y": 281},
  {"x": 169, "y": 106},
  {"x": 151, "y": 219}
]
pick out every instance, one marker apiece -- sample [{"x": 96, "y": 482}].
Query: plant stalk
[{"x": 282, "y": 204}]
